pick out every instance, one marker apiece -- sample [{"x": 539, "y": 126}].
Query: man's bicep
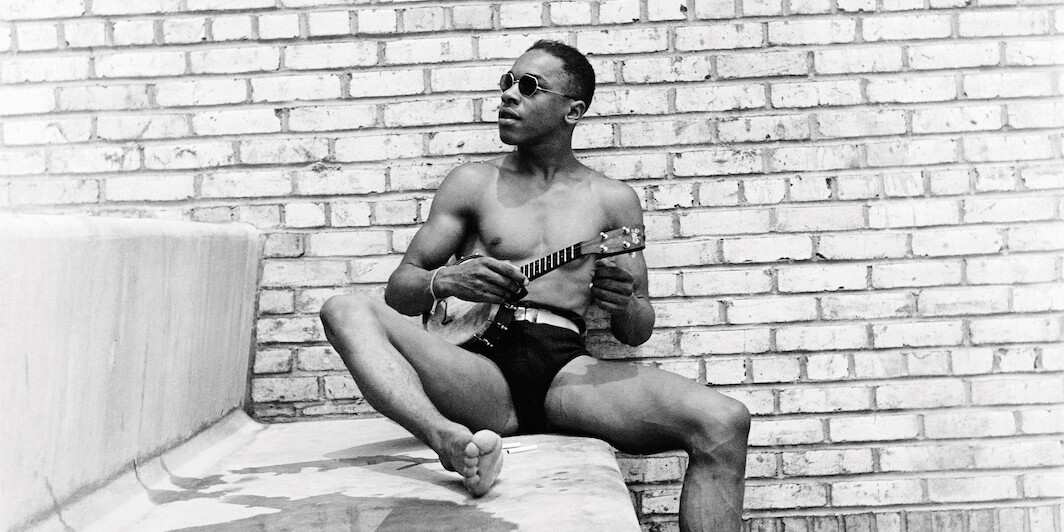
[
  {"x": 626, "y": 211},
  {"x": 437, "y": 239}
]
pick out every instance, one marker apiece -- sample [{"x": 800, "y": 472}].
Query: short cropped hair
[{"x": 581, "y": 74}]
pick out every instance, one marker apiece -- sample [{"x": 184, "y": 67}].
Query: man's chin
[{"x": 508, "y": 138}]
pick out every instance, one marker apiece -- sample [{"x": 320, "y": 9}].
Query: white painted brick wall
[{"x": 854, "y": 208}]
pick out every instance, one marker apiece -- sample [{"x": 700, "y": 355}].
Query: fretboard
[{"x": 546, "y": 264}]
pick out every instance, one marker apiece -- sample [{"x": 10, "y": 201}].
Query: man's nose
[{"x": 511, "y": 94}]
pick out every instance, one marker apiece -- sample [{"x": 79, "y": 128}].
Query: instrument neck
[{"x": 542, "y": 266}]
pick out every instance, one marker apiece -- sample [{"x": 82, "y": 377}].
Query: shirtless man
[{"x": 536, "y": 200}]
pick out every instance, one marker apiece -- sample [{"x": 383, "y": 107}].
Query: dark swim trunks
[{"x": 529, "y": 356}]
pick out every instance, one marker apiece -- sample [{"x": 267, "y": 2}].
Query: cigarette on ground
[
  {"x": 522, "y": 449},
  {"x": 511, "y": 444}
]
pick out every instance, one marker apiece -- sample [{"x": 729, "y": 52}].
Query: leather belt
[{"x": 546, "y": 317}]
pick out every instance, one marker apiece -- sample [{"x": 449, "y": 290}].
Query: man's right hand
[{"x": 481, "y": 279}]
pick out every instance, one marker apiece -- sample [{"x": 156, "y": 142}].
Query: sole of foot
[{"x": 486, "y": 448}]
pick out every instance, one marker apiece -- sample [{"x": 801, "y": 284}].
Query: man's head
[
  {"x": 581, "y": 74},
  {"x": 545, "y": 94}
]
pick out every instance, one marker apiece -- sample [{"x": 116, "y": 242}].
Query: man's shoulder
[
  {"x": 470, "y": 175},
  {"x": 608, "y": 187}
]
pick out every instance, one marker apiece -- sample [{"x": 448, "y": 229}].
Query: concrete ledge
[
  {"x": 363, "y": 475},
  {"x": 120, "y": 338}
]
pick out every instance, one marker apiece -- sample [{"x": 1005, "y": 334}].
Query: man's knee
[
  {"x": 347, "y": 310},
  {"x": 721, "y": 419}
]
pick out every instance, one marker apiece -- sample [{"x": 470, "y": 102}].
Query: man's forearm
[
  {"x": 636, "y": 324},
  {"x": 408, "y": 290}
]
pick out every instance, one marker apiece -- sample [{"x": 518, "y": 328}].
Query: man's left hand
[{"x": 612, "y": 286}]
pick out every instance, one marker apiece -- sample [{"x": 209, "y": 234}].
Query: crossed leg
[
  {"x": 461, "y": 392},
  {"x": 643, "y": 410}
]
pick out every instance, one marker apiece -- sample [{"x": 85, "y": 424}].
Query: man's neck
[{"x": 543, "y": 162}]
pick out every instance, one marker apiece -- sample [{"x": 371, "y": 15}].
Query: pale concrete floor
[{"x": 369, "y": 475}]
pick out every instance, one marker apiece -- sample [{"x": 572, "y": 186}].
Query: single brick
[
  {"x": 816, "y": 94},
  {"x": 914, "y": 213},
  {"x": 1029, "y": 53},
  {"x": 199, "y": 92},
  {"x": 963, "y": 301},
  {"x": 924, "y": 394},
  {"x": 279, "y": 26},
  {"x": 786, "y": 495},
  {"x": 911, "y": 152},
  {"x": 722, "y": 161},
  {"x": 858, "y": 59},
  {"x": 150, "y": 188},
  {"x": 273, "y": 151},
  {"x": 49, "y": 131},
  {"x": 236, "y": 122},
  {"x": 818, "y": 219},
  {"x": 953, "y": 55},
  {"x": 887, "y": 427},
  {"x": 334, "y": 23},
  {"x": 330, "y": 55},
  {"x": 1012, "y": 85},
  {"x": 819, "y": 31},
  {"x": 626, "y": 41},
  {"x": 912, "y": 89},
  {"x": 785, "y": 63},
  {"x": 1011, "y": 269},
  {"x": 827, "y": 462},
  {"x": 863, "y": 306},
  {"x": 427, "y": 51},
  {"x": 725, "y": 341},
  {"x": 879, "y": 245},
  {"x": 41, "y": 9},
  {"x": 984, "y": 488},
  {"x": 820, "y": 278},
  {"x": 771, "y": 309},
  {"x": 1015, "y": 329},
  {"x": 235, "y": 60},
  {"x": 718, "y": 36},
  {"x": 332, "y": 117},
  {"x": 720, "y": 97},
  {"x": 772, "y": 432},
  {"x": 907, "y": 27},
  {"x": 666, "y": 69},
  {"x": 715, "y": 282},
  {"x": 1008, "y": 148},
  {"x": 833, "y": 399},
  {"x": 1003, "y": 23},
  {"x": 45, "y": 68},
  {"x": 267, "y": 389},
  {"x": 902, "y": 334},
  {"x": 969, "y": 425},
  {"x": 821, "y": 337},
  {"x": 767, "y": 249},
  {"x": 971, "y": 118},
  {"x": 717, "y": 222},
  {"x": 876, "y": 492}
]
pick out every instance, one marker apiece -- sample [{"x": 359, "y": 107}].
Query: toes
[
  {"x": 486, "y": 441},
  {"x": 472, "y": 450}
]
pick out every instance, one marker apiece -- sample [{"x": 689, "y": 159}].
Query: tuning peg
[
  {"x": 603, "y": 235},
  {"x": 627, "y": 245},
  {"x": 603, "y": 248},
  {"x": 626, "y": 230}
]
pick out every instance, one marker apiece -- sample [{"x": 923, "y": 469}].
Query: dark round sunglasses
[{"x": 527, "y": 85}]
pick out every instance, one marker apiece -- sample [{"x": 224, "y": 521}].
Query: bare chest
[{"x": 521, "y": 225}]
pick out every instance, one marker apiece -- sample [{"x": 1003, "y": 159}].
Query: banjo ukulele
[{"x": 459, "y": 321}]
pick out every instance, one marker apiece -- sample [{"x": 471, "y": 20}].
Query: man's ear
[{"x": 576, "y": 112}]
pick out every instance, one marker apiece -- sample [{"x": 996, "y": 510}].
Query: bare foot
[{"x": 486, "y": 451}]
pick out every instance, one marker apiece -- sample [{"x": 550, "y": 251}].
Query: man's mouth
[{"x": 505, "y": 113}]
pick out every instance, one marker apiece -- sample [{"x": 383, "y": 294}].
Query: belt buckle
[{"x": 532, "y": 315}]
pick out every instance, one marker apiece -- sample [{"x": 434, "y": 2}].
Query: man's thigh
[
  {"x": 638, "y": 409},
  {"x": 464, "y": 386}
]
